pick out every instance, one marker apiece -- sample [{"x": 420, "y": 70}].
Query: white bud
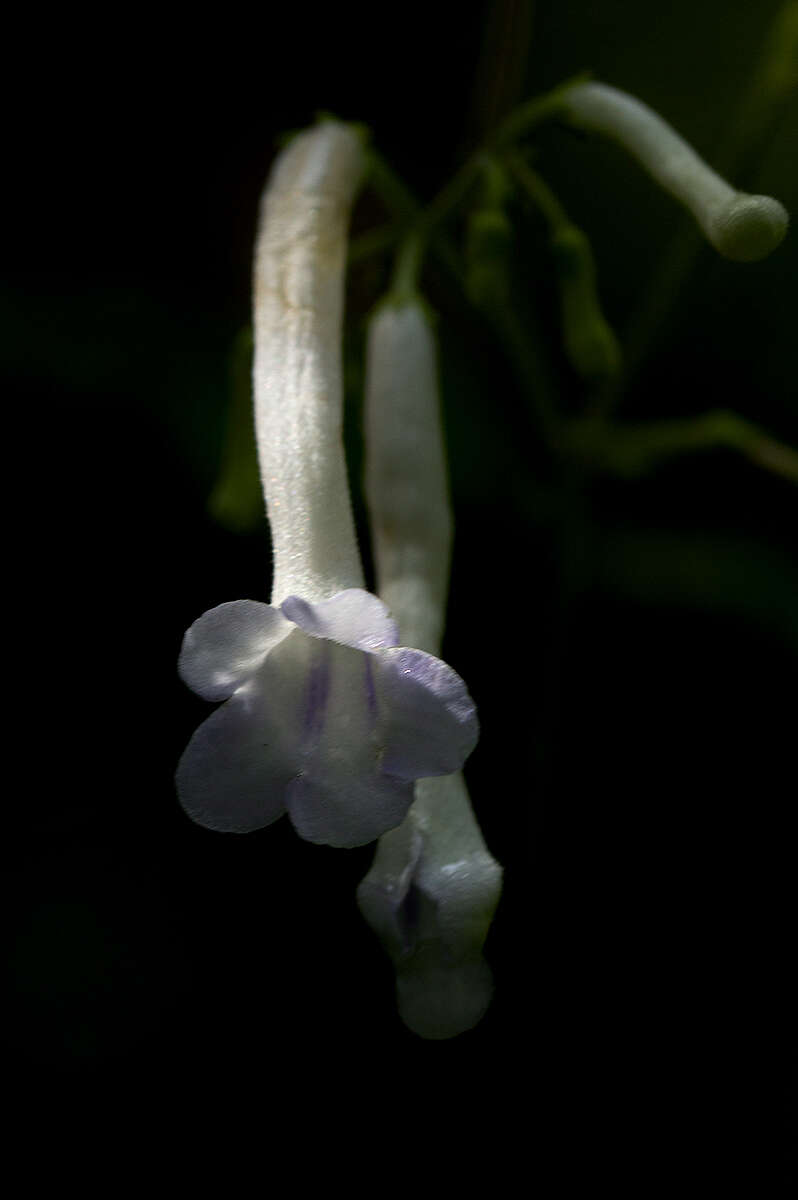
[
  {"x": 433, "y": 887},
  {"x": 406, "y": 486},
  {"x": 740, "y": 227}
]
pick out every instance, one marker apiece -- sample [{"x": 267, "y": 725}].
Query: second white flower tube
[
  {"x": 406, "y": 472},
  {"x": 300, "y": 261},
  {"x": 433, "y": 887}
]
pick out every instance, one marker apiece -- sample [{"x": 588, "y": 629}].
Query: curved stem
[
  {"x": 539, "y": 192},
  {"x": 534, "y": 112},
  {"x": 407, "y": 268},
  {"x": 634, "y": 449}
]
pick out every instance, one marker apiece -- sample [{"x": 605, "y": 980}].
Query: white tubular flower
[
  {"x": 406, "y": 485},
  {"x": 325, "y": 716},
  {"x": 740, "y": 226},
  {"x": 433, "y": 887},
  {"x": 298, "y": 295}
]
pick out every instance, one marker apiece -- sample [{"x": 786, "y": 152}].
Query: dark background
[{"x": 633, "y": 655}]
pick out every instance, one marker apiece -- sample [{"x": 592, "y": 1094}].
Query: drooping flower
[
  {"x": 433, "y": 886},
  {"x": 324, "y": 717}
]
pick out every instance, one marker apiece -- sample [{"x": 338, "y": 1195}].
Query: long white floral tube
[
  {"x": 433, "y": 886},
  {"x": 324, "y": 716},
  {"x": 298, "y": 298},
  {"x": 406, "y": 484},
  {"x": 740, "y": 226}
]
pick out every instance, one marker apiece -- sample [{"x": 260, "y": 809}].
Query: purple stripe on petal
[
  {"x": 371, "y": 691},
  {"x": 317, "y": 691}
]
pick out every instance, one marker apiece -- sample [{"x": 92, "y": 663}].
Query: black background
[{"x": 636, "y": 773}]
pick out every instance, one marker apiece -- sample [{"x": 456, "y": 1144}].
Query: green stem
[
  {"x": 539, "y": 193},
  {"x": 408, "y": 210},
  {"x": 450, "y": 195},
  {"x": 534, "y": 112},
  {"x": 407, "y": 268},
  {"x": 424, "y": 222},
  {"x": 390, "y": 186},
  {"x": 632, "y": 450}
]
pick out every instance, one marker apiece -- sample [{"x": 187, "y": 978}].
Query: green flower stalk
[
  {"x": 489, "y": 241},
  {"x": 589, "y": 341}
]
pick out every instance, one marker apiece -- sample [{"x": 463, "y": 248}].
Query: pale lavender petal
[
  {"x": 428, "y": 720},
  {"x": 293, "y": 685},
  {"x": 341, "y": 796},
  {"x": 235, "y": 771},
  {"x": 233, "y": 775},
  {"x": 343, "y": 810},
  {"x": 227, "y": 644},
  {"x": 353, "y": 617}
]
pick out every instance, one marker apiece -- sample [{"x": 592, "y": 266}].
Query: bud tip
[{"x": 750, "y": 228}]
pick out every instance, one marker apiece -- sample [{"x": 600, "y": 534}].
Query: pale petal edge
[
  {"x": 353, "y": 617},
  {"x": 227, "y": 644},
  {"x": 229, "y": 777},
  {"x": 428, "y": 719}
]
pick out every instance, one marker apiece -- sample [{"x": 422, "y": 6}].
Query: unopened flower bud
[
  {"x": 740, "y": 226},
  {"x": 590, "y": 343}
]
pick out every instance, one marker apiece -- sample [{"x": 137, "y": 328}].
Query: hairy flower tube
[
  {"x": 324, "y": 717},
  {"x": 433, "y": 887},
  {"x": 740, "y": 226}
]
